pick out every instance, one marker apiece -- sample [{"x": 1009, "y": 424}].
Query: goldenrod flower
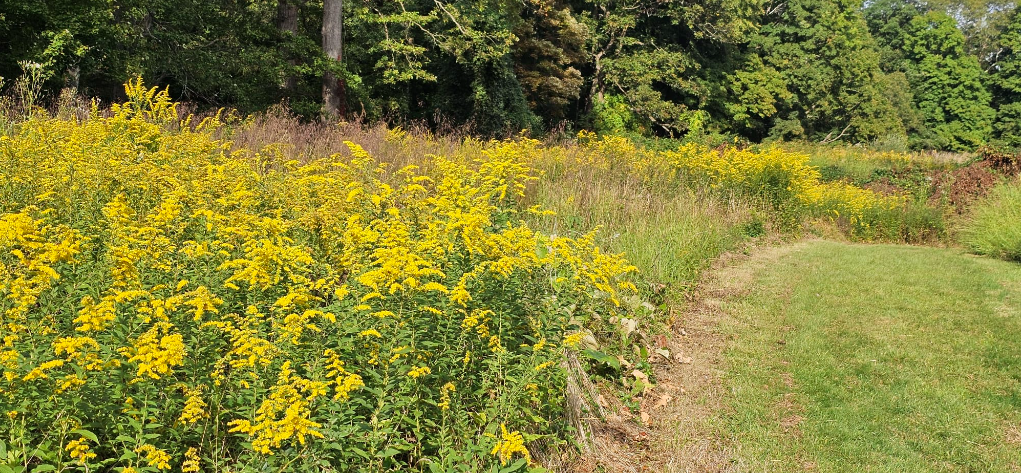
[
  {"x": 156, "y": 351},
  {"x": 510, "y": 443},
  {"x": 445, "y": 391},
  {"x": 155, "y": 457},
  {"x": 191, "y": 461},
  {"x": 79, "y": 450},
  {"x": 419, "y": 371},
  {"x": 574, "y": 339},
  {"x": 285, "y": 414},
  {"x": 194, "y": 408}
]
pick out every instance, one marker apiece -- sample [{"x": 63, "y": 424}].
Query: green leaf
[
  {"x": 42, "y": 468},
  {"x": 514, "y": 466},
  {"x": 601, "y": 357},
  {"x": 6, "y": 469},
  {"x": 388, "y": 453},
  {"x": 360, "y": 452},
  {"x": 87, "y": 434}
]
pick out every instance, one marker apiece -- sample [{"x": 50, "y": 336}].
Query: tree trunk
[
  {"x": 333, "y": 46},
  {"x": 287, "y": 22}
]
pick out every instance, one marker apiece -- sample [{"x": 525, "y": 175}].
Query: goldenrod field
[{"x": 173, "y": 303}]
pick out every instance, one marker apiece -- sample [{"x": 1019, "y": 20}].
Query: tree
[
  {"x": 653, "y": 54},
  {"x": 1005, "y": 82},
  {"x": 547, "y": 57},
  {"x": 812, "y": 72},
  {"x": 287, "y": 21},
  {"x": 947, "y": 84},
  {"x": 333, "y": 47}
]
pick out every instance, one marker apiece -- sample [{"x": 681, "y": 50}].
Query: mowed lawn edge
[{"x": 875, "y": 358}]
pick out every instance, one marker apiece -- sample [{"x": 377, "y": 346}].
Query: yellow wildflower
[
  {"x": 343, "y": 381},
  {"x": 494, "y": 344},
  {"x": 203, "y": 301},
  {"x": 155, "y": 457},
  {"x": 285, "y": 414},
  {"x": 419, "y": 371},
  {"x": 39, "y": 372},
  {"x": 95, "y": 317},
  {"x": 69, "y": 382},
  {"x": 574, "y": 339},
  {"x": 156, "y": 355},
  {"x": 194, "y": 407},
  {"x": 79, "y": 450},
  {"x": 191, "y": 461},
  {"x": 445, "y": 391},
  {"x": 510, "y": 443}
]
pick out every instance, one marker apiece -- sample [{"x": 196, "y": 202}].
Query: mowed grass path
[{"x": 875, "y": 358}]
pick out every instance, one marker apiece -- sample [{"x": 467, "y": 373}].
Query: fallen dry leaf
[
  {"x": 663, "y": 400},
  {"x": 663, "y": 352}
]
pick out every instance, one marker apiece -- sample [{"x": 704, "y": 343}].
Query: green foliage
[
  {"x": 825, "y": 70},
  {"x": 613, "y": 116},
  {"x": 994, "y": 227},
  {"x": 948, "y": 84},
  {"x": 814, "y": 73},
  {"x": 1005, "y": 82},
  {"x": 757, "y": 89}
]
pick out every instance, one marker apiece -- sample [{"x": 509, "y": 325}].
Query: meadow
[{"x": 252, "y": 293}]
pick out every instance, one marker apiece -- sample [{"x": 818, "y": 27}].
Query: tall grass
[
  {"x": 994, "y": 227},
  {"x": 671, "y": 236}
]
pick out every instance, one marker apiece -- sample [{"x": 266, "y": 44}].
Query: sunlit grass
[
  {"x": 995, "y": 225},
  {"x": 877, "y": 358}
]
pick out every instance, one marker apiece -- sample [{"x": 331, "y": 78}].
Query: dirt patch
[
  {"x": 1013, "y": 435},
  {"x": 679, "y": 435}
]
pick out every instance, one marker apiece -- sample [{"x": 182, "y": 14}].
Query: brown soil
[{"x": 675, "y": 431}]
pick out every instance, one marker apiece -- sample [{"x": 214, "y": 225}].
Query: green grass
[
  {"x": 877, "y": 358},
  {"x": 994, "y": 227}
]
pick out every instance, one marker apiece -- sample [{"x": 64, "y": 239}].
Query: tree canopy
[{"x": 936, "y": 74}]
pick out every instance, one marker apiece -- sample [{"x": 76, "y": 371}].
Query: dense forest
[{"x": 898, "y": 73}]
